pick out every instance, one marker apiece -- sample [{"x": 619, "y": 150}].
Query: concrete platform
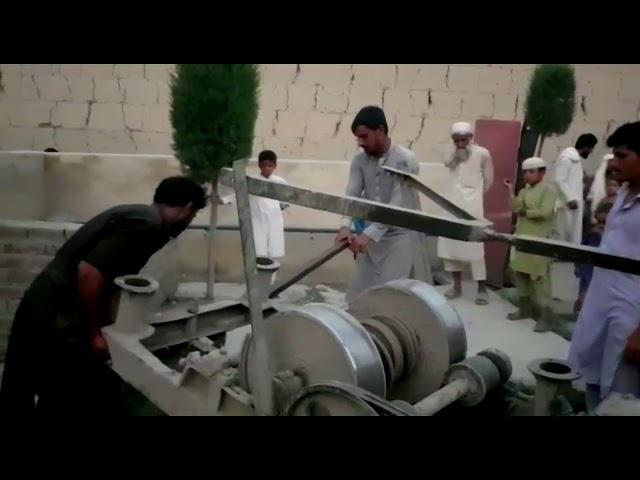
[{"x": 487, "y": 326}]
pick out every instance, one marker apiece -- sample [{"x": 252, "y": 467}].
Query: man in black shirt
[{"x": 55, "y": 362}]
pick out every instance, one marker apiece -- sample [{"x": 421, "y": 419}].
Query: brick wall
[{"x": 306, "y": 109}]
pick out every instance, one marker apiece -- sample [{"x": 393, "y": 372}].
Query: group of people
[
  {"x": 606, "y": 341},
  {"x": 56, "y": 355}
]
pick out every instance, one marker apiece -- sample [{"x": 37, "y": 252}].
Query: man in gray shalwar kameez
[{"x": 385, "y": 253}]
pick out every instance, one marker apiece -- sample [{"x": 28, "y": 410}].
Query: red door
[{"x": 502, "y": 139}]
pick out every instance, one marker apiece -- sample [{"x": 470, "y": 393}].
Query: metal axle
[{"x": 468, "y": 382}]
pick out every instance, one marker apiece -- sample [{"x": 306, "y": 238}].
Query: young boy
[
  {"x": 266, "y": 214},
  {"x": 611, "y": 191},
  {"x": 535, "y": 208},
  {"x": 584, "y": 271}
]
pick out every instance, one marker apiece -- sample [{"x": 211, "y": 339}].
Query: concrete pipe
[
  {"x": 553, "y": 376},
  {"x": 135, "y": 307}
]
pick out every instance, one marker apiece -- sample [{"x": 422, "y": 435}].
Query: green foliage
[
  {"x": 551, "y": 99},
  {"x": 213, "y": 113}
]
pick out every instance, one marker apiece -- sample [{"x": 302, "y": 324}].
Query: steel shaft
[{"x": 444, "y": 397}]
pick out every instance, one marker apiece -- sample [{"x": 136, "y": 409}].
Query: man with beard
[
  {"x": 56, "y": 361},
  {"x": 569, "y": 179},
  {"x": 471, "y": 175},
  {"x": 384, "y": 253}
]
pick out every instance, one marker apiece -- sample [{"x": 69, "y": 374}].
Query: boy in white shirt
[{"x": 266, "y": 214}]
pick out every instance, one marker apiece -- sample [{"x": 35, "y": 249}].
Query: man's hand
[
  {"x": 99, "y": 346},
  {"x": 577, "y": 306},
  {"x": 359, "y": 244},
  {"x": 507, "y": 183},
  {"x": 572, "y": 205},
  {"x": 632, "y": 352},
  {"x": 344, "y": 235}
]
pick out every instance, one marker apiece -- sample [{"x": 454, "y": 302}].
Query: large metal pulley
[
  {"x": 320, "y": 343},
  {"x": 429, "y": 330},
  {"x": 396, "y": 341}
]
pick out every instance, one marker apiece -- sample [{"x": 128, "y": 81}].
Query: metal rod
[
  {"x": 443, "y": 397},
  {"x": 312, "y": 265},
  {"x": 263, "y": 390},
  {"x": 567, "y": 252}
]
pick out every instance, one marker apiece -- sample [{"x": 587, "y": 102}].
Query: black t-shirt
[{"x": 117, "y": 242}]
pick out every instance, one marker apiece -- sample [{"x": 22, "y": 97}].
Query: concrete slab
[{"x": 487, "y": 326}]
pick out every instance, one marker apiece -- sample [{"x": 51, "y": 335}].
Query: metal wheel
[
  {"x": 320, "y": 343},
  {"x": 437, "y": 337}
]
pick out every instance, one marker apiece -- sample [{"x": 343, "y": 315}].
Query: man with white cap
[
  {"x": 471, "y": 174},
  {"x": 534, "y": 206},
  {"x": 569, "y": 176}
]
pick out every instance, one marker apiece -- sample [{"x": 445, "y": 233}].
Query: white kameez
[
  {"x": 268, "y": 224},
  {"x": 469, "y": 182},
  {"x": 569, "y": 179},
  {"x": 598, "y": 189}
]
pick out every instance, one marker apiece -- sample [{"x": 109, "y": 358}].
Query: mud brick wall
[{"x": 306, "y": 109}]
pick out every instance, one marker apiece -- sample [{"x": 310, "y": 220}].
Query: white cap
[
  {"x": 533, "y": 163},
  {"x": 607, "y": 157},
  {"x": 461, "y": 128}
]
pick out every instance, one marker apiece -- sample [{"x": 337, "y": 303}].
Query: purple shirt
[{"x": 611, "y": 309}]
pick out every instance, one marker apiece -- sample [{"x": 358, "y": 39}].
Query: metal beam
[
  {"x": 263, "y": 392},
  {"x": 413, "y": 182},
  {"x": 435, "y": 225},
  {"x": 567, "y": 252}
]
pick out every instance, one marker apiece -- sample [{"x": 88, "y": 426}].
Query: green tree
[
  {"x": 550, "y": 102},
  {"x": 213, "y": 112}
]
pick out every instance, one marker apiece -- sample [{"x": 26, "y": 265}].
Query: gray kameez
[{"x": 390, "y": 255}]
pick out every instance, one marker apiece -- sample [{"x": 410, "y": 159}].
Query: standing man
[
  {"x": 471, "y": 173},
  {"x": 385, "y": 253},
  {"x": 534, "y": 206},
  {"x": 569, "y": 176},
  {"x": 605, "y": 346},
  {"x": 56, "y": 357}
]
